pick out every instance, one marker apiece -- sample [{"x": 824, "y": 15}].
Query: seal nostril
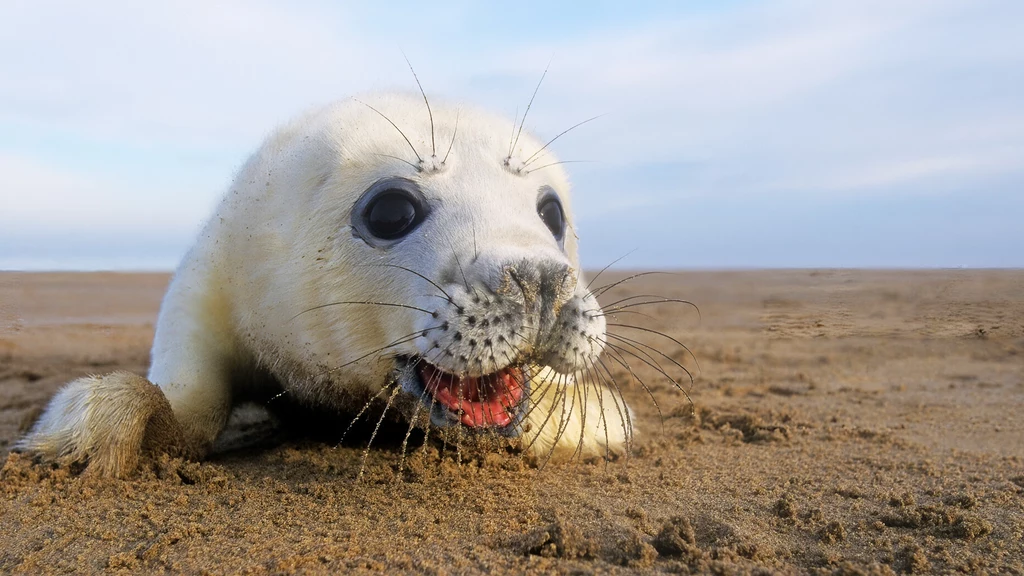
[
  {"x": 471, "y": 320},
  {"x": 458, "y": 336}
]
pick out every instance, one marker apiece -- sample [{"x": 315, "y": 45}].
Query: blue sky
[{"x": 737, "y": 133}]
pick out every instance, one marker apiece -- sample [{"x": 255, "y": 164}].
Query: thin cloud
[{"x": 775, "y": 101}]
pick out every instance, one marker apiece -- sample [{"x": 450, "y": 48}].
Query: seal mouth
[
  {"x": 491, "y": 400},
  {"x": 497, "y": 401}
]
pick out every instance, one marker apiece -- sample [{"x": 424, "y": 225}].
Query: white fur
[
  {"x": 109, "y": 421},
  {"x": 281, "y": 243}
]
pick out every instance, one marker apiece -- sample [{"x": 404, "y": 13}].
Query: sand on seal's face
[{"x": 844, "y": 418}]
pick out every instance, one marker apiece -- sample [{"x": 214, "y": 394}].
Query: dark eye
[
  {"x": 550, "y": 211},
  {"x": 393, "y": 214}
]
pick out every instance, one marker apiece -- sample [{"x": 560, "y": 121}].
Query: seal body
[{"x": 368, "y": 250}]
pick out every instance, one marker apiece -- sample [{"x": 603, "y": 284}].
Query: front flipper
[{"x": 110, "y": 422}]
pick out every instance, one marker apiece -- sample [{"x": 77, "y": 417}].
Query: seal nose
[{"x": 545, "y": 284}]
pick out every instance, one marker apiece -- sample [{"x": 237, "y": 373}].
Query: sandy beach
[{"x": 843, "y": 421}]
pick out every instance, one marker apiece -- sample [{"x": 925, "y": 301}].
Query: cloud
[
  {"x": 44, "y": 198},
  {"x": 801, "y": 95},
  {"x": 203, "y": 73},
  {"x": 141, "y": 111}
]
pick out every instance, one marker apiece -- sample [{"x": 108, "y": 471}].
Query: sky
[{"x": 736, "y": 134}]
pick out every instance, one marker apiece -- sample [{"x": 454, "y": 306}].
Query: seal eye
[
  {"x": 550, "y": 211},
  {"x": 393, "y": 214}
]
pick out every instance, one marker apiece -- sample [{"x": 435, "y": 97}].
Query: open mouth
[
  {"x": 483, "y": 401},
  {"x": 492, "y": 401}
]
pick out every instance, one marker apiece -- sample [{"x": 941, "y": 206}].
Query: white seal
[{"x": 374, "y": 248}]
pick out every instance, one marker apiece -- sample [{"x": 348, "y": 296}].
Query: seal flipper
[{"x": 109, "y": 421}]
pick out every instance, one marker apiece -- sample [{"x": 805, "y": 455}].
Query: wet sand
[{"x": 852, "y": 422}]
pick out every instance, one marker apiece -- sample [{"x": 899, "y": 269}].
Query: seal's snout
[
  {"x": 545, "y": 285},
  {"x": 509, "y": 309}
]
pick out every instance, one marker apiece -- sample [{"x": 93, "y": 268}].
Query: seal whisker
[
  {"x": 368, "y": 303},
  {"x": 663, "y": 335},
  {"x": 533, "y": 156},
  {"x": 436, "y": 376},
  {"x": 653, "y": 363},
  {"x": 587, "y": 378},
  {"x": 624, "y": 417},
  {"x": 359, "y": 414},
  {"x": 455, "y": 133},
  {"x": 636, "y": 343},
  {"x": 459, "y": 263},
  {"x": 400, "y": 341},
  {"x": 598, "y": 387},
  {"x": 563, "y": 422},
  {"x": 583, "y": 418},
  {"x": 656, "y": 365},
  {"x": 476, "y": 251},
  {"x": 366, "y": 451},
  {"x": 572, "y": 228},
  {"x": 543, "y": 390},
  {"x": 557, "y": 385},
  {"x": 602, "y": 289},
  {"x": 458, "y": 429},
  {"x": 511, "y": 137},
  {"x": 433, "y": 151},
  {"x": 407, "y": 141},
  {"x": 522, "y": 380},
  {"x": 614, "y": 314},
  {"x": 412, "y": 424},
  {"x": 411, "y": 271},
  {"x": 564, "y": 418},
  {"x": 660, "y": 300},
  {"x": 577, "y": 392},
  {"x": 619, "y": 358},
  {"x": 434, "y": 379},
  {"x": 417, "y": 168},
  {"x": 532, "y": 170},
  {"x": 493, "y": 385},
  {"x": 482, "y": 389},
  {"x": 612, "y": 263},
  {"x": 527, "y": 112},
  {"x": 558, "y": 389},
  {"x": 276, "y": 396}
]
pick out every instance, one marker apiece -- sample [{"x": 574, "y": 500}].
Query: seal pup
[{"x": 368, "y": 251}]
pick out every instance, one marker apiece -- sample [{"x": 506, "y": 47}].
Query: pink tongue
[{"x": 483, "y": 401}]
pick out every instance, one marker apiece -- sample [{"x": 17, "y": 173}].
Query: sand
[{"x": 851, "y": 422}]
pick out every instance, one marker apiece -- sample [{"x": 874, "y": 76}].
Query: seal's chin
[{"x": 496, "y": 401}]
